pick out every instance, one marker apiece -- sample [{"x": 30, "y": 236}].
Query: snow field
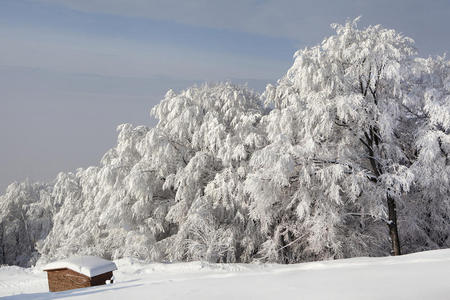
[{"x": 422, "y": 275}]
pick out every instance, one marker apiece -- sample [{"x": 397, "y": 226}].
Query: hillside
[{"x": 416, "y": 276}]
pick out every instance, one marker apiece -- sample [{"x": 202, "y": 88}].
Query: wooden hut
[{"x": 78, "y": 272}]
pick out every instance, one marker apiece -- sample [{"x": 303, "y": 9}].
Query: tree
[
  {"x": 213, "y": 130},
  {"x": 172, "y": 191},
  {"x": 353, "y": 140},
  {"x": 335, "y": 126},
  {"x": 427, "y": 111},
  {"x": 25, "y": 220}
]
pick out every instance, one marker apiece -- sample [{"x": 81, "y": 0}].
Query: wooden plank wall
[{"x": 66, "y": 279}]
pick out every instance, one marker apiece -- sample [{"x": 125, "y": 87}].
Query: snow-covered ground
[{"x": 423, "y": 275}]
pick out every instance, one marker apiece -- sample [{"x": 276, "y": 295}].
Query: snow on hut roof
[{"x": 87, "y": 265}]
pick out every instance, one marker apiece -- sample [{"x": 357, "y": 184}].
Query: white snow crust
[
  {"x": 416, "y": 276},
  {"x": 87, "y": 265}
]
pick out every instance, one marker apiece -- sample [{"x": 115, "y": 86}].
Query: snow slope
[{"x": 424, "y": 275}]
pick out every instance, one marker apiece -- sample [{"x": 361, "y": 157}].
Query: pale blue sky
[{"x": 72, "y": 70}]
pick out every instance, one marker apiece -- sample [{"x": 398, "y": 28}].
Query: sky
[{"x": 71, "y": 71}]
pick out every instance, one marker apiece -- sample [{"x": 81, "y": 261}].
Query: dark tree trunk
[
  {"x": 2, "y": 244},
  {"x": 393, "y": 231},
  {"x": 371, "y": 142}
]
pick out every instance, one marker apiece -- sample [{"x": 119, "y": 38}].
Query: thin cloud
[
  {"x": 118, "y": 57},
  {"x": 299, "y": 20}
]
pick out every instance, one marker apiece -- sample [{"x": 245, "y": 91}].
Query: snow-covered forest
[{"x": 347, "y": 155}]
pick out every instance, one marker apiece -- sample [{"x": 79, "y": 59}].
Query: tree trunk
[
  {"x": 393, "y": 231},
  {"x": 373, "y": 139}
]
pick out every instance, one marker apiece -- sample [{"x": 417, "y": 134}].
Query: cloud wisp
[{"x": 302, "y": 21}]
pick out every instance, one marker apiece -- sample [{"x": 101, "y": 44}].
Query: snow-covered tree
[
  {"x": 352, "y": 143},
  {"x": 426, "y": 222},
  {"x": 113, "y": 210},
  {"x": 26, "y": 212},
  {"x": 215, "y": 130},
  {"x": 160, "y": 192},
  {"x": 335, "y": 167}
]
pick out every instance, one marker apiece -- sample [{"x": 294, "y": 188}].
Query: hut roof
[{"x": 87, "y": 265}]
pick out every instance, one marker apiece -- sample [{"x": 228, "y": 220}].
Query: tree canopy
[{"x": 348, "y": 154}]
